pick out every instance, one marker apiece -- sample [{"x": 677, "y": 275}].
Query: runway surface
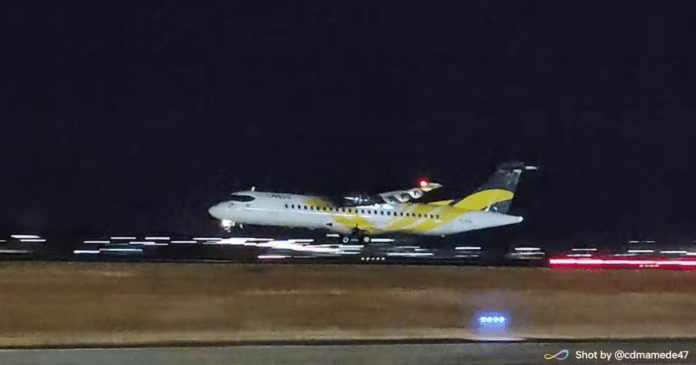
[{"x": 384, "y": 354}]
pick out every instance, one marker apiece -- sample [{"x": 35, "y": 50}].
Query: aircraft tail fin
[{"x": 497, "y": 193}]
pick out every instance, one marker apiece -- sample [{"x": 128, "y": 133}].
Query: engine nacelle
[{"x": 358, "y": 199}]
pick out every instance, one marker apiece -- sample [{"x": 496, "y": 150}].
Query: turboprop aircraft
[{"x": 366, "y": 215}]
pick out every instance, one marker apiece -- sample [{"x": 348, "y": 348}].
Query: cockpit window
[{"x": 241, "y": 198}]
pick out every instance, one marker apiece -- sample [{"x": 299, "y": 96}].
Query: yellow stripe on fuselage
[
  {"x": 484, "y": 199},
  {"x": 354, "y": 221},
  {"x": 442, "y": 202},
  {"x": 447, "y": 215}
]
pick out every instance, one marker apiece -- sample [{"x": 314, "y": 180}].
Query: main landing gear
[{"x": 362, "y": 237}]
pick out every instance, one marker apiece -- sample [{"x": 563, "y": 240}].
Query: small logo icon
[{"x": 560, "y": 356}]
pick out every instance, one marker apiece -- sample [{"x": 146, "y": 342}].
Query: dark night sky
[{"x": 136, "y": 118}]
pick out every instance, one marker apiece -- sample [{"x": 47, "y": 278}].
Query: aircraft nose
[{"x": 215, "y": 211}]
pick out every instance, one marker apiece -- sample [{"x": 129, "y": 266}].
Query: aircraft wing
[{"x": 405, "y": 196}]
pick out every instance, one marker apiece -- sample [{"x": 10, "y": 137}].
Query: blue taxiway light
[{"x": 492, "y": 321}]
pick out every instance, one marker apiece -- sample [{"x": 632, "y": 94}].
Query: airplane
[{"x": 362, "y": 216}]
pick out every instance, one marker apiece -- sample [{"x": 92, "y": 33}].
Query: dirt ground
[{"x": 55, "y": 303}]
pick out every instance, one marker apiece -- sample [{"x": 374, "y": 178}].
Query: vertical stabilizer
[{"x": 497, "y": 193}]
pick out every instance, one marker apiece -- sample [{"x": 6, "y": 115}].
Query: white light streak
[
  {"x": 231, "y": 241},
  {"x": 528, "y": 253},
  {"x": 410, "y": 254},
  {"x": 120, "y": 250},
  {"x": 382, "y": 240},
  {"x": 271, "y": 257},
  {"x": 80, "y": 252}
]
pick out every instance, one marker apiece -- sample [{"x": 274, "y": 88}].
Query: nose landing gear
[{"x": 227, "y": 225}]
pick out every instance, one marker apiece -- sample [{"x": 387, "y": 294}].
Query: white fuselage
[{"x": 291, "y": 210}]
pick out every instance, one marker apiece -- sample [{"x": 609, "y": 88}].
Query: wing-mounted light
[{"x": 427, "y": 186}]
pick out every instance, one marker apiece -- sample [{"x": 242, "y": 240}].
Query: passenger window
[{"x": 286, "y": 206}]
